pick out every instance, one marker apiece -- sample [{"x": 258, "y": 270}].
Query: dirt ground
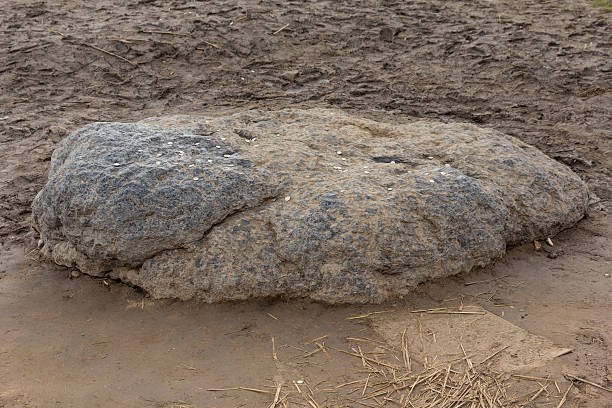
[{"x": 537, "y": 70}]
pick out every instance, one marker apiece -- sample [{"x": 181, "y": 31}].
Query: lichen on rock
[{"x": 297, "y": 203}]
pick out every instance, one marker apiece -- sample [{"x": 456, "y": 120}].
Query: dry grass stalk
[
  {"x": 601, "y": 387},
  {"x": 405, "y": 354},
  {"x": 111, "y": 54},
  {"x": 565, "y": 395},
  {"x": 240, "y": 389},
  {"x": 363, "y": 316},
  {"x": 442, "y": 386},
  {"x": 276, "y": 396},
  {"x": 485, "y": 280},
  {"x": 274, "y": 356}
]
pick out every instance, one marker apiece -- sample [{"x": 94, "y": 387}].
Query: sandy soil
[{"x": 540, "y": 71}]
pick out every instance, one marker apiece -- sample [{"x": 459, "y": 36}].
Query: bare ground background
[{"x": 537, "y": 70}]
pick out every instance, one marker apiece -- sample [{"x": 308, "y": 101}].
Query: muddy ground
[{"x": 537, "y": 70}]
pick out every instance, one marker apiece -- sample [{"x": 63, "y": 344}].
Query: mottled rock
[{"x": 296, "y": 203}]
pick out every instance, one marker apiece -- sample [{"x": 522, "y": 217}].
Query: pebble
[
  {"x": 159, "y": 154},
  {"x": 339, "y": 152},
  {"x": 366, "y": 172},
  {"x": 170, "y": 143},
  {"x": 116, "y": 164},
  {"x": 300, "y": 381},
  {"x": 196, "y": 179},
  {"x": 287, "y": 198},
  {"x": 75, "y": 274},
  {"x": 158, "y": 163},
  {"x": 432, "y": 181},
  {"x": 390, "y": 189},
  {"x": 218, "y": 147}
]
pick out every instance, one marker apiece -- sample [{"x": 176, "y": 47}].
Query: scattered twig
[
  {"x": 363, "y": 316},
  {"x": 209, "y": 43},
  {"x": 164, "y": 32},
  {"x": 274, "y": 356},
  {"x": 565, "y": 395},
  {"x": 111, "y": 54},
  {"x": 486, "y": 280},
  {"x": 601, "y": 387},
  {"x": 240, "y": 389},
  {"x": 280, "y": 29}
]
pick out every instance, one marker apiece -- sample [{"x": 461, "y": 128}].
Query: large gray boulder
[{"x": 297, "y": 203}]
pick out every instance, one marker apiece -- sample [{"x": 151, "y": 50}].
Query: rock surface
[{"x": 295, "y": 203}]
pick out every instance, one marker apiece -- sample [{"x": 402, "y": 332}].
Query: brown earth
[{"x": 540, "y": 71}]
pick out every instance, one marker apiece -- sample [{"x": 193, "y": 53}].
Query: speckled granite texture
[{"x": 296, "y": 203}]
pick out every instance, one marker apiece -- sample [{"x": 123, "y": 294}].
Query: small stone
[
  {"x": 607, "y": 275},
  {"x": 197, "y": 144},
  {"x": 116, "y": 164},
  {"x": 74, "y": 274},
  {"x": 432, "y": 181},
  {"x": 287, "y": 198},
  {"x": 430, "y": 157},
  {"x": 339, "y": 152},
  {"x": 196, "y": 178},
  {"x": 392, "y": 162},
  {"x": 390, "y": 189},
  {"x": 209, "y": 161},
  {"x": 41, "y": 243},
  {"x": 300, "y": 381},
  {"x": 549, "y": 242},
  {"x": 366, "y": 172},
  {"x": 170, "y": 143},
  {"x": 289, "y": 75},
  {"x": 159, "y": 154},
  {"x": 158, "y": 163},
  {"x": 218, "y": 147}
]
